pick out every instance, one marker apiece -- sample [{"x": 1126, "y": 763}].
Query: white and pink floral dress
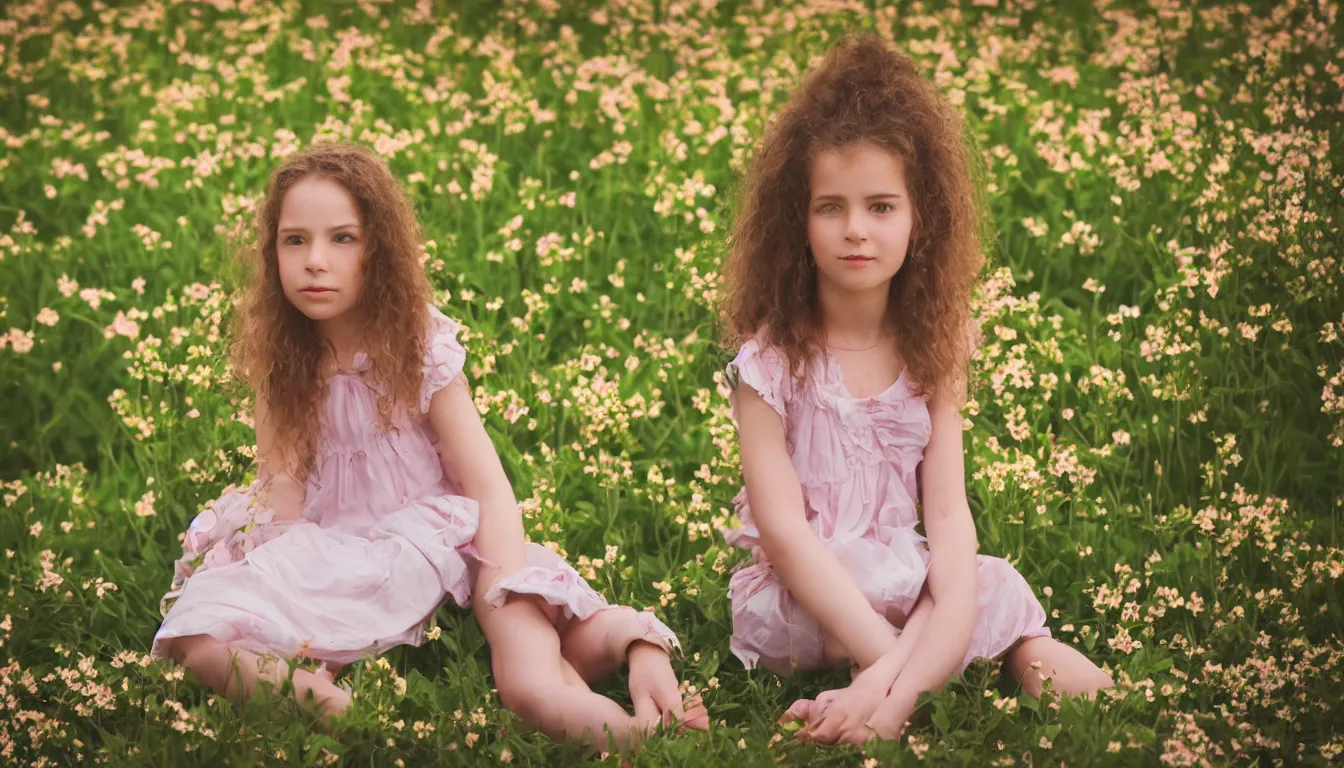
[
  {"x": 856, "y": 460},
  {"x": 385, "y": 537}
]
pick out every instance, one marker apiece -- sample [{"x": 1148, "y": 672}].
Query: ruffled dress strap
[
  {"x": 763, "y": 369},
  {"x": 445, "y": 356}
]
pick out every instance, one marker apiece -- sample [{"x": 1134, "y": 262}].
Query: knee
[
  {"x": 1020, "y": 657},
  {"x": 184, "y": 651},
  {"x": 1098, "y": 680},
  {"x": 530, "y": 701}
]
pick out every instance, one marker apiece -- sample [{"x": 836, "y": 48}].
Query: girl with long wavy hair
[
  {"x": 378, "y": 491},
  {"x": 848, "y": 290}
]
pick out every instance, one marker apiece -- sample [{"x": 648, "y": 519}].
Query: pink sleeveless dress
[
  {"x": 856, "y": 460},
  {"x": 385, "y": 537}
]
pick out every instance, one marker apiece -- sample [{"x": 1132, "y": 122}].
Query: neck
[
  {"x": 853, "y": 319},
  {"x": 342, "y": 333}
]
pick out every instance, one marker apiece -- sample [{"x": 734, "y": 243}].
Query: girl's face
[
  {"x": 860, "y": 216},
  {"x": 320, "y": 246}
]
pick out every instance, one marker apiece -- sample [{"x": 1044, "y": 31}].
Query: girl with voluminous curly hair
[
  {"x": 848, "y": 290},
  {"x": 378, "y": 491}
]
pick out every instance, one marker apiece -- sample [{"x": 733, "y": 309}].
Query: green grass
[{"x": 1157, "y": 425}]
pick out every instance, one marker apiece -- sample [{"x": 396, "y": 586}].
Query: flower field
[{"x": 1156, "y": 430}]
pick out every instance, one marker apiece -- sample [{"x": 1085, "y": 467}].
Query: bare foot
[
  {"x": 656, "y": 693},
  {"x": 324, "y": 699},
  {"x": 328, "y": 671}
]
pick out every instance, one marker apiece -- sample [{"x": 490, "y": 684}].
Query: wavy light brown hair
[
  {"x": 862, "y": 91},
  {"x": 277, "y": 349}
]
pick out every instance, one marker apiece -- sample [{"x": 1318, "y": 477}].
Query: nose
[
  {"x": 316, "y": 258},
  {"x": 855, "y": 231}
]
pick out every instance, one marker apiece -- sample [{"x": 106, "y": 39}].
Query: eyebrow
[
  {"x": 878, "y": 196},
  {"x": 305, "y": 229}
]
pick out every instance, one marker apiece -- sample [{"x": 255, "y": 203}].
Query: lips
[
  {"x": 856, "y": 258},
  {"x": 317, "y": 290}
]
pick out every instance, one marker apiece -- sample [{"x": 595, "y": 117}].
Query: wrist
[
  {"x": 882, "y": 672},
  {"x": 641, "y": 650},
  {"x": 900, "y": 698},
  {"x": 873, "y": 680},
  {"x": 890, "y": 717}
]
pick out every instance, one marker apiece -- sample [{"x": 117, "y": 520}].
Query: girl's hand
[
  {"x": 843, "y": 716},
  {"x": 839, "y": 716},
  {"x": 890, "y": 719},
  {"x": 655, "y": 692}
]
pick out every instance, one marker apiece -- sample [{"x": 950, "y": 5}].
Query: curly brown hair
[
  {"x": 861, "y": 92},
  {"x": 278, "y": 351}
]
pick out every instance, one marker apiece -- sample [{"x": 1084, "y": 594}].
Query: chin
[
  {"x": 861, "y": 283},
  {"x": 318, "y": 312}
]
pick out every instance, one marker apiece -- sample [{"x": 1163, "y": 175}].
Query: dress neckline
[
  {"x": 844, "y": 388},
  {"x": 359, "y": 365}
]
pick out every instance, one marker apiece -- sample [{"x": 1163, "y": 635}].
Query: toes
[
  {"x": 697, "y": 715},
  {"x": 670, "y": 703}
]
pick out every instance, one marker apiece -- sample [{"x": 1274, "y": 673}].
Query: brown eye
[{"x": 293, "y": 240}]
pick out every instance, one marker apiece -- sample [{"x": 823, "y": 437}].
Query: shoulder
[
  {"x": 441, "y": 325},
  {"x": 445, "y": 357},
  {"x": 763, "y": 368},
  {"x": 756, "y": 352}
]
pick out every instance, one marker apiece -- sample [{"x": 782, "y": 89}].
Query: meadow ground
[{"x": 1156, "y": 435}]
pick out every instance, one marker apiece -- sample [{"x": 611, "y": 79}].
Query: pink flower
[
  {"x": 93, "y": 296},
  {"x": 20, "y": 341},
  {"x": 66, "y": 286},
  {"x": 145, "y": 506},
  {"x": 122, "y": 326},
  {"x": 218, "y": 555}
]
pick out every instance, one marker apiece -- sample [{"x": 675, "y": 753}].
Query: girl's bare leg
[
  {"x": 600, "y": 645},
  {"x": 535, "y": 684},
  {"x": 597, "y": 646},
  {"x": 1070, "y": 672},
  {"x": 236, "y": 673}
]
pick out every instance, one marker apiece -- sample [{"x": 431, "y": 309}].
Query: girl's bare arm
[
  {"x": 280, "y": 490},
  {"x": 952, "y": 543},
  {"x": 469, "y": 455},
  {"x": 812, "y": 574}
]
